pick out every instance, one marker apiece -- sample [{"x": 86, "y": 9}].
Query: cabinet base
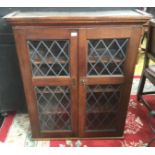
[{"x": 79, "y": 138}]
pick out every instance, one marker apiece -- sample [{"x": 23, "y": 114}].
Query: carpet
[{"x": 15, "y": 129}]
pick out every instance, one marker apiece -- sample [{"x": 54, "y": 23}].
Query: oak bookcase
[{"x": 77, "y": 70}]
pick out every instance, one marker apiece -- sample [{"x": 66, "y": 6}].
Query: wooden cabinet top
[{"x": 77, "y": 17}]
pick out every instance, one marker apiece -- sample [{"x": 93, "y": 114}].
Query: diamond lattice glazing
[
  {"x": 49, "y": 57},
  {"x": 106, "y": 56},
  {"x": 101, "y": 106},
  {"x": 54, "y": 107}
]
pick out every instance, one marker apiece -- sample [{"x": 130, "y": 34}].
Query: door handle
[{"x": 82, "y": 81}]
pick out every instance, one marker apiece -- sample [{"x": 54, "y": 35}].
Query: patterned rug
[{"x": 16, "y": 130}]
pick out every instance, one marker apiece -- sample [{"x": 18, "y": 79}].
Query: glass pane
[
  {"x": 106, "y": 56},
  {"x": 54, "y": 107},
  {"x": 101, "y": 107},
  {"x": 49, "y": 57}
]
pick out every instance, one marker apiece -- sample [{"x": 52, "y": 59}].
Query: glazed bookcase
[{"x": 77, "y": 71}]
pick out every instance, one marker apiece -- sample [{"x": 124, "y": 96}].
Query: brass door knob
[{"x": 82, "y": 81}]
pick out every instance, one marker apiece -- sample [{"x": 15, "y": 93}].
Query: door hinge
[{"x": 73, "y": 81}]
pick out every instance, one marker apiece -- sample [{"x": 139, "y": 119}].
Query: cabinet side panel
[
  {"x": 129, "y": 72},
  {"x": 25, "y": 69}
]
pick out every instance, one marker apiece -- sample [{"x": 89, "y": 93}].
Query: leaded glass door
[
  {"x": 52, "y": 67},
  {"x": 104, "y": 84}
]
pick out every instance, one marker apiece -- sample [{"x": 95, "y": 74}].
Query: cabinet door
[
  {"x": 48, "y": 61},
  {"x": 106, "y": 62}
]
